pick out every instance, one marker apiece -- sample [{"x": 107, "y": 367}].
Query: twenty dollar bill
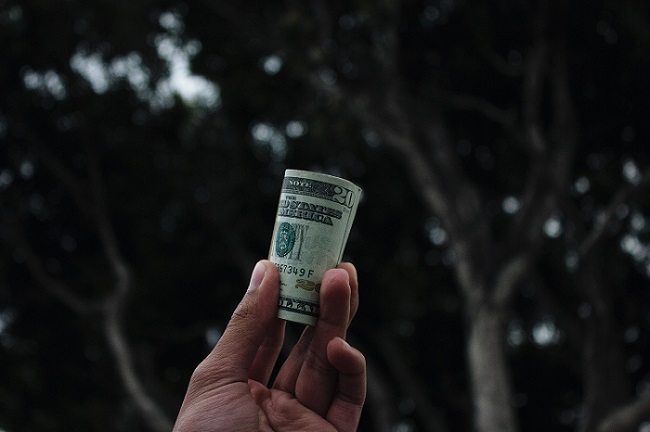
[{"x": 312, "y": 225}]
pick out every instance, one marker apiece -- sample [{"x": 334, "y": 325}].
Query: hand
[{"x": 320, "y": 387}]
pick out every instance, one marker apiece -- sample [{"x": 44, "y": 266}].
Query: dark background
[{"x": 499, "y": 144}]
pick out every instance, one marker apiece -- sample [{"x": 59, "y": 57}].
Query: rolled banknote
[{"x": 312, "y": 225}]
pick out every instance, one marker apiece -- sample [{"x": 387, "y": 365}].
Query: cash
[{"x": 312, "y": 225}]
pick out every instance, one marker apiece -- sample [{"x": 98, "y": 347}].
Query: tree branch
[
  {"x": 535, "y": 143},
  {"x": 505, "y": 118},
  {"x": 512, "y": 272},
  {"x": 58, "y": 289},
  {"x": 550, "y": 160},
  {"x": 80, "y": 195},
  {"x": 628, "y": 417},
  {"x": 93, "y": 205},
  {"x": 153, "y": 415}
]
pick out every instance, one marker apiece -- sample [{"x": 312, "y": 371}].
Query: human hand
[{"x": 320, "y": 387}]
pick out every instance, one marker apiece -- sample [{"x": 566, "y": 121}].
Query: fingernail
[{"x": 258, "y": 275}]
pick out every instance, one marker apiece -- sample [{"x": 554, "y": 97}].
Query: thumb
[{"x": 231, "y": 358}]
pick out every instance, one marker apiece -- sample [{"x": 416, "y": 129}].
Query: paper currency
[{"x": 312, "y": 225}]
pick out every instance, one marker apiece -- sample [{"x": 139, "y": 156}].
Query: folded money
[{"x": 312, "y": 225}]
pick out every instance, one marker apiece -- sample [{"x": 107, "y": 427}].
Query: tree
[{"x": 502, "y": 241}]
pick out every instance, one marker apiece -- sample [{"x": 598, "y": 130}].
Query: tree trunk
[
  {"x": 606, "y": 384},
  {"x": 489, "y": 376}
]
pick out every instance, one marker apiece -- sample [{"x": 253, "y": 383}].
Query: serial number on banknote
[{"x": 291, "y": 269}]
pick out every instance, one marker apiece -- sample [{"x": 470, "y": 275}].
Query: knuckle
[
  {"x": 242, "y": 312},
  {"x": 319, "y": 365}
]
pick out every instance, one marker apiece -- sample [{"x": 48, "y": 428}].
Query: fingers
[
  {"x": 354, "y": 288},
  {"x": 345, "y": 411},
  {"x": 288, "y": 374},
  {"x": 246, "y": 335},
  {"x": 293, "y": 365},
  {"x": 316, "y": 382}
]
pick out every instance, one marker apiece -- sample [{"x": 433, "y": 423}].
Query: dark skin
[{"x": 320, "y": 387}]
